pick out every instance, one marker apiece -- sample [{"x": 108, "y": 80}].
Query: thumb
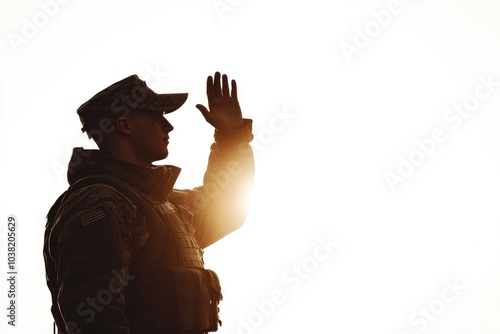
[{"x": 204, "y": 111}]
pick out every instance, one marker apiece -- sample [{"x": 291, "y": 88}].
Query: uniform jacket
[{"x": 113, "y": 267}]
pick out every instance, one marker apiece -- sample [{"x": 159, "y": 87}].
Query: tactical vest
[{"x": 171, "y": 291}]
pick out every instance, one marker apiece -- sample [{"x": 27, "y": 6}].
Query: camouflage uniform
[{"x": 111, "y": 269}]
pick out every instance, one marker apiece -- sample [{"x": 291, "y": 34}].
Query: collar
[{"x": 155, "y": 181}]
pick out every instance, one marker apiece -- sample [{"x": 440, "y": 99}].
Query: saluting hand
[{"x": 225, "y": 111}]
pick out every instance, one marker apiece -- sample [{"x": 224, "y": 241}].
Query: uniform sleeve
[
  {"x": 94, "y": 264},
  {"x": 220, "y": 205}
]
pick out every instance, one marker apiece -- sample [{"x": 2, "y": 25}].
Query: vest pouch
[{"x": 180, "y": 298}]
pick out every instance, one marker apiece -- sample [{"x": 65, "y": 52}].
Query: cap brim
[{"x": 165, "y": 103}]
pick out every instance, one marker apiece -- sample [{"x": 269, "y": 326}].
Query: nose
[{"x": 166, "y": 126}]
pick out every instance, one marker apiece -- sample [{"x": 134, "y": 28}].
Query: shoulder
[
  {"x": 97, "y": 209},
  {"x": 98, "y": 223},
  {"x": 94, "y": 196}
]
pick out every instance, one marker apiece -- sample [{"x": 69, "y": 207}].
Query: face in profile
[{"x": 149, "y": 135}]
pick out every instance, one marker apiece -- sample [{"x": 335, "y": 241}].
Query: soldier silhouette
[{"x": 123, "y": 249}]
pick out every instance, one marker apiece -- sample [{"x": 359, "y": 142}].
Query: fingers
[
  {"x": 225, "y": 86},
  {"x": 234, "y": 91},
  {"x": 210, "y": 88},
  {"x": 217, "y": 84},
  {"x": 214, "y": 89}
]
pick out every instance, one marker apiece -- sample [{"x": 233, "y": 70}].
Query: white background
[{"x": 320, "y": 170}]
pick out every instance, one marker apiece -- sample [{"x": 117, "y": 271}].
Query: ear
[{"x": 124, "y": 125}]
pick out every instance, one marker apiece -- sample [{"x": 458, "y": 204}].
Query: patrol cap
[{"x": 122, "y": 97}]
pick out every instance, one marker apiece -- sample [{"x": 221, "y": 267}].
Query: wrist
[{"x": 243, "y": 133}]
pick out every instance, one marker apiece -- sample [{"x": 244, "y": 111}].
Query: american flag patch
[{"x": 92, "y": 216}]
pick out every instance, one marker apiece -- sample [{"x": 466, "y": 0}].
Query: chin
[{"x": 161, "y": 156}]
